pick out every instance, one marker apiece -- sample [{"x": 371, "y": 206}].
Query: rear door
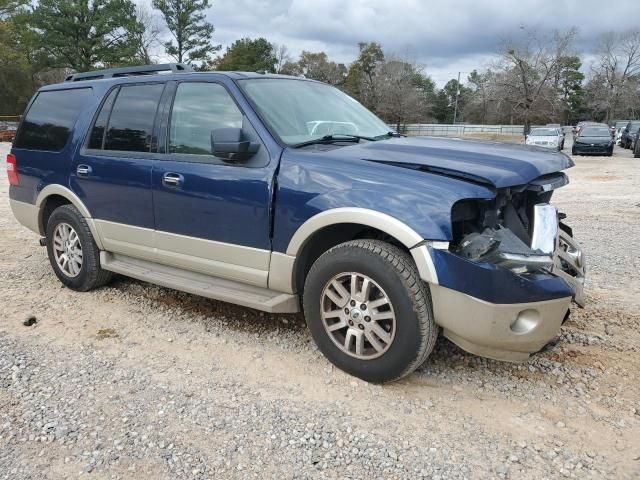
[
  {"x": 112, "y": 174},
  {"x": 211, "y": 216}
]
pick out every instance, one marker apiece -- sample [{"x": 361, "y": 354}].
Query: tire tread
[
  {"x": 417, "y": 291},
  {"x": 96, "y": 276}
]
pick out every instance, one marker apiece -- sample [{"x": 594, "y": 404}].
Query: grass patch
[{"x": 104, "y": 333}]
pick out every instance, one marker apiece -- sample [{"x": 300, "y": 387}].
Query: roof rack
[{"x": 129, "y": 71}]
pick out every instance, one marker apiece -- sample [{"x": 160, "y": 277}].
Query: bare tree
[
  {"x": 149, "y": 37},
  {"x": 400, "y": 99},
  {"x": 618, "y": 62},
  {"x": 282, "y": 56},
  {"x": 528, "y": 66}
]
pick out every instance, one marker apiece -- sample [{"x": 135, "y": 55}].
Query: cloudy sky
[{"x": 445, "y": 36}]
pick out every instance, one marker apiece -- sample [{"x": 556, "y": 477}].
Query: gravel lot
[{"x": 138, "y": 381}]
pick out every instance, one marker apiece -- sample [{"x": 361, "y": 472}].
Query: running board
[{"x": 202, "y": 285}]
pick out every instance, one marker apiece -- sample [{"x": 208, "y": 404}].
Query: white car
[
  {"x": 549, "y": 137},
  {"x": 619, "y": 126}
]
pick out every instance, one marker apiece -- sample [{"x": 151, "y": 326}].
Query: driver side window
[{"x": 198, "y": 108}]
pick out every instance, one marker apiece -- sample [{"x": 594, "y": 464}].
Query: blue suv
[{"x": 281, "y": 193}]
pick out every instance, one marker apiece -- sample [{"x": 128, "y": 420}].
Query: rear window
[{"x": 50, "y": 119}]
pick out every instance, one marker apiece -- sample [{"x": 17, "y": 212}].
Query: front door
[
  {"x": 112, "y": 174},
  {"x": 211, "y": 216}
]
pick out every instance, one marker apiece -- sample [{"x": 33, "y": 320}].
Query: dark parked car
[
  {"x": 580, "y": 125},
  {"x": 593, "y": 140},
  {"x": 281, "y": 193},
  {"x": 629, "y": 134}
]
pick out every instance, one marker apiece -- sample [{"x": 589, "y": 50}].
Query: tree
[
  {"x": 400, "y": 100},
  {"x": 192, "y": 34},
  {"x": 148, "y": 36},
  {"x": 616, "y": 69},
  {"x": 10, "y": 7},
  {"x": 528, "y": 65},
  {"x": 360, "y": 81},
  {"x": 83, "y": 35},
  {"x": 442, "y": 111},
  {"x": 248, "y": 55},
  {"x": 480, "y": 88},
  {"x": 444, "y": 108},
  {"x": 568, "y": 84},
  {"x": 15, "y": 71},
  {"x": 316, "y": 65},
  {"x": 282, "y": 55}
]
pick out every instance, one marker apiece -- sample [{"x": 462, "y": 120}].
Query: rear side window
[
  {"x": 97, "y": 132},
  {"x": 50, "y": 119},
  {"x": 199, "y": 108},
  {"x": 129, "y": 126}
]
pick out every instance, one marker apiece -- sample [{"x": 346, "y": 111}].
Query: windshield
[
  {"x": 633, "y": 126},
  {"x": 543, "y": 132},
  {"x": 299, "y": 111},
  {"x": 621, "y": 124},
  {"x": 595, "y": 132}
]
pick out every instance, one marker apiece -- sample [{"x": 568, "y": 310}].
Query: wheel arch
[
  {"x": 332, "y": 227},
  {"x": 53, "y": 196}
]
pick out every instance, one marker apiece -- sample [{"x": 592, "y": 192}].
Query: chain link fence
[
  {"x": 458, "y": 130},
  {"x": 462, "y": 130}
]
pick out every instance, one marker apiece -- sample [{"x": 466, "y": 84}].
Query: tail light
[{"x": 12, "y": 170}]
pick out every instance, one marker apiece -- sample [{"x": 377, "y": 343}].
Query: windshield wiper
[
  {"x": 339, "y": 137},
  {"x": 389, "y": 134}
]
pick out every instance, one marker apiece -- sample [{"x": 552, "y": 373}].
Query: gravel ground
[{"x": 138, "y": 381}]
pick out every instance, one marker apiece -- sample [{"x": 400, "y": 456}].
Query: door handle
[
  {"x": 172, "y": 179},
  {"x": 83, "y": 170}
]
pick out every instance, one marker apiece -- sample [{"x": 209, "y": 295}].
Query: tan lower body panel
[
  {"x": 27, "y": 214},
  {"x": 250, "y": 265},
  {"x": 510, "y": 332},
  {"x": 200, "y": 284}
]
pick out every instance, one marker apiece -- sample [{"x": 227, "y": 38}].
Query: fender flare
[
  {"x": 55, "y": 189},
  {"x": 282, "y": 267}
]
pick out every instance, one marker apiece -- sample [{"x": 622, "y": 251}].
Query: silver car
[{"x": 549, "y": 137}]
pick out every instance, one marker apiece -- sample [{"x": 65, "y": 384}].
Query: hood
[{"x": 497, "y": 164}]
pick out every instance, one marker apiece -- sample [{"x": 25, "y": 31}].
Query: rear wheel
[
  {"x": 73, "y": 254},
  {"x": 368, "y": 310}
]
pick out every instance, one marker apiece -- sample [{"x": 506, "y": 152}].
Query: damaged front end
[{"x": 520, "y": 231}]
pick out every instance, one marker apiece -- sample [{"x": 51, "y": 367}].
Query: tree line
[{"x": 535, "y": 78}]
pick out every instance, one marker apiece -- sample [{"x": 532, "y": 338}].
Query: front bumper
[
  {"x": 494, "y": 312},
  {"x": 508, "y": 332},
  {"x": 584, "y": 148}
]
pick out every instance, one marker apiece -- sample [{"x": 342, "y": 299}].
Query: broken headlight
[{"x": 502, "y": 247}]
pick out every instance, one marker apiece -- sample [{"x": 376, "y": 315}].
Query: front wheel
[{"x": 369, "y": 311}]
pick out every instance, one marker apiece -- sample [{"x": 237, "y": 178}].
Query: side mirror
[{"x": 228, "y": 143}]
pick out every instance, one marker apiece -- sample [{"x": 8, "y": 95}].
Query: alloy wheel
[
  {"x": 357, "y": 315},
  {"x": 67, "y": 249}
]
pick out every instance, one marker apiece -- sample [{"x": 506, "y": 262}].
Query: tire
[
  {"x": 394, "y": 276},
  {"x": 89, "y": 275},
  {"x": 573, "y": 151},
  {"x": 636, "y": 151}
]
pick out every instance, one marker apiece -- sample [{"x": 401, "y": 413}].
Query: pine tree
[{"x": 191, "y": 33}]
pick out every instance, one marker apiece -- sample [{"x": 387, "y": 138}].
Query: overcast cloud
[{"x": 444, "y": 36}]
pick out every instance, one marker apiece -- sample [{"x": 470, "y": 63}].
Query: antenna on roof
[{"x": 130, "y": 71}]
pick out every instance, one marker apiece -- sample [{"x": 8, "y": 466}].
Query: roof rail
[{"x": 128, "y": 71}]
